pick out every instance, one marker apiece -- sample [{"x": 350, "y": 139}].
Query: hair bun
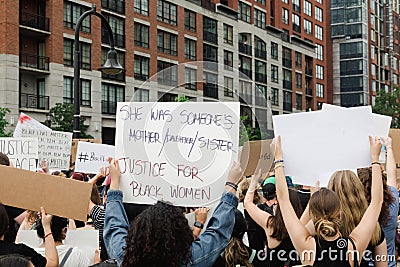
[{"x": 327, "y": 228}]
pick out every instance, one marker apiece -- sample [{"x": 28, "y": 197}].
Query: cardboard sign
[
  {"x": 176, "y": 152},
  {"x": 91, "y": 157},
  {"x": 27, "y": 122},
  {"x": 395, "y": 135},
  {"x": 316, "y": 144},
  {"x": 22, "y": 152},
  {"x": 74, "y": 146},
  {"x": 255, "y": 155},
  {"x": 54, "y": 147},
  {"x": 59, "y": 196}
]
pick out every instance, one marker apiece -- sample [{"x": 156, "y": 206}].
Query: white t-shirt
[{"x": 75, "y": 259}]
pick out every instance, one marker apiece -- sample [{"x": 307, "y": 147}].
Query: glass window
[
  {"x": 210, "y": 53},
  {"x": 320, "y": 72},
  {"x": 141, "y": 95},
  {"x": 141, "y": 68},
  {"x": 141, "y": 7},
  {"x": 274, "y": 74},
  {"x": 307, "y": 8},
  {"x": 210, "y": 30},
  {"x": 275, "y": 97},
  {"x": 318, "y": 14},
  {"x": 351, "y": 50},
  {"x": 259, "y": 18},
  {"x": 167, "y": 43},
  {"x": 228, "y": 86},
  {"x": 72, "y": 12},
  {"x": 274, "y": 50},
  {"x": 85, "y": 57},
  {"x": 166, "y": 12},
  {"x": 299, "y": 102},
  {"x": 228, "y": 60},
  {"x": 296, "y": 5},
  {"x": 190, "y": 78},
  {"x": 318, "y": 32},
  {"x": 307, "y": 27},
  {"x": 228, "y": 34},
  {"x": 111, "y": 94},
  {"x": 261, "y": 71},
  {"x": 319, "y": 90},
  {"x": 141, "y": 35},
  {"x": 298, "y": 59},
  {"x": 190, "y": 20},
  {"x": 319, "y": 51},
  {"x": 118, "y": 28},
  {"x": 190, "y": 49},
  {"x": 85, "y": 92},
  {"x": 167, "y": 73},
  {"x": 299, "y": 80},
  {"x": 285, "y": 16},
  {"x": 262, "y": 2},
  {"x": 244, "y": 12},
  {"x": 296, "y": 23}
]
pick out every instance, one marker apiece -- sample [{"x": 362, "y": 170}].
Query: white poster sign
[
  {"x": 54, "y": 147},
  {"x": 176, "y": 152},
  {"x": 22, "y": 152},
  {"x": 316, "y": 144},
  {"x": 27, "y": 122},
  {"x": 91, "y": 157}
]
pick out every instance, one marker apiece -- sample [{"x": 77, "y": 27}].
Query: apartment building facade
[{"x": 254, "y": 56}]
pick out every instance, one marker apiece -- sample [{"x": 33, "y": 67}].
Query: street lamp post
[{"x": 111, "y": 66}]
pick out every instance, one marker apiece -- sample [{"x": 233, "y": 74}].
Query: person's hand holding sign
[
  {"x": 114, "y": 173},
  {"x": 234, "y": 177}
]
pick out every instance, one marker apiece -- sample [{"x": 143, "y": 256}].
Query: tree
[
  {"x": 4, "y": 122},
  {"x": 247, "y": 133},
  {"x": 388, "y": 104},
  {"x": 62, "y": 119},
  {"x": 182, "y": 98}
]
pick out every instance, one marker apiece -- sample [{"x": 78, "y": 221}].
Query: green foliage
[
  {"x": 62, "y": 119},
  {"x": 247, "y": 133},
  {"x": 3, "y": 122},
  {"x": 388, "y": 104},
  {"x": 182, "y": 98}
]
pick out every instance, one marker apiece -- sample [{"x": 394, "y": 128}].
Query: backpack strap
[
  {"x": 64, "y": 260},
  {"x": 355, "y": 252},
  {"x": 252, "y": 256}
]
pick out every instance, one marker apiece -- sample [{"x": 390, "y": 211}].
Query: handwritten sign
[
  {"x": 22, "y": 152},
  {"x": 176, "y": 152},
  {"x": 255, "y": 155},
  {"x": 74, "y": 146},
  {"x": 27, "y": 122},
  {"x": 91, "y": 157},
  {"x": 54, "y": 147}
]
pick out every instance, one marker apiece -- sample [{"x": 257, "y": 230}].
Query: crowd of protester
[{"x": 262, "y": 220}]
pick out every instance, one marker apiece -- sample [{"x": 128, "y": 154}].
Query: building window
[
  {"x": 319, "y": 90},
  {"x": 261, "y": 71},
  {"x": 111, "y": 94},
  {"x": 190, "y": 49},
  {"x": 141, "y": 7},
  {"x": 85, "y": 57},
  {"x": 319, "y": 72},
  {"x": 228, "y": 86},
  {"x": 285, "y": 16},
  {"x": 299, "y": 102},
  {"x": 287, "y": 101},
  {"x": 228, "y": 34},
  {"x": 166, "y": 12},
  {"x": 121, "y": 59},
  {"x": 118, "y": 28},
  {"x": 190, "y": 20},
  {"x": 245, "y": 66},
  {"x": 275, "y": 97},
  {"x": 285, "y": 1},
  {"x": 210, "y": 30},
  {"x": 259, "y": 18},
  {"x": 307, "y": 27},
  {"x": 85, "y": 92},
  {"x": 318, "y": 14},
  {"x": 141, "y": 95},
  {"x": 262, "y": 2},
  {"x": 190, "y": 78},
  {"x": 296, "y": 5},
  {"x": 307, "y": 8},
  {"x": 210, "y": 53},
  {"x": 244, "y": 12},
  {"x": 274, "y": 74},
  {"x": 228, "y": 60},
  {"x": 245, "y": 92},
  {"x": 72, "y": 12},
  {"x": 296, "y": 23},
  {"x": 167, "y": 43},
  {"x": 287, "y": 79},
  {"x": 298, "y": 59},
  {"x": 141, "y": 35},
  {"x": 318, "y": 32},
  {"x": 299, "y": 80},
  {"x": 167, "y": 73},
  {"x": 274, "y": 50},
  {"x": 141, "y": 68},
  {"x": 287, "y": 57},
  {"x": 319, "y": 51}
]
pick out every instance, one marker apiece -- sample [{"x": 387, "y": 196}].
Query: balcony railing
[
  {"x": 309, "y": 91},
  {"x": 261, "y": 77},
  {"x": 287, "y": 84},
  {"x": 34, "y": 101},
  {"x": 308, "y": 71},
  {"x": 108, "y": 107},
  {"x": 33, "y": 61},
  {"x": 287, "y": 106},
  {"x": 246, "y": 98},
  {"x": 119, "y": 39},
  {"x": 210, "y": 90},
  {"x": 140, "y": 76},
  {"x": 34, "y": 21},
  {"x": 245, "y": 49},
  {"x": 260, "y": 53},
  {"x": 167, "y": 81},
  {"x": 210, "y": 37},
  {"x": 114, "y": 5}
]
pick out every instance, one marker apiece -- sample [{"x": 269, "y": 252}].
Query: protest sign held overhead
[
  {"x": 91, "y": 157},
  {"x": 27, "y": 122},
  {"x": 22, "y": 152},
  {"x": 176, "y": 152},
  {"x": 74, "y": 146},
  {"x": 255, "y": 155},
  {"x": 54, "y": 147},
  {"x": 395, "y": 135}
]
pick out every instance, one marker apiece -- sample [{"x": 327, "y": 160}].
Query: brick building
[{"x": 281, "y": 49}]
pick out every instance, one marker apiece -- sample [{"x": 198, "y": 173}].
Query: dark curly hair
[
  {"x": 57, "y": 226},
  {"x": 365, "y": 175},
  {"x": 159, "y": 236}
]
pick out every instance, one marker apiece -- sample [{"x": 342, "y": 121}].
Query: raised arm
[
  {"x": 297, "y": 231},
  {"x": 50, "y": 250},
  {"x": 258, "y": 215},
  {"x": 363, "y": 231},
  {"x": 390, "y": 163}
]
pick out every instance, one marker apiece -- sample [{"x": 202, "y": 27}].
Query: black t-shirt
[
  {"x": 304, "y": 197},
  {"x": 12, "y": 213},
  {"x": 7, "y": 248}
]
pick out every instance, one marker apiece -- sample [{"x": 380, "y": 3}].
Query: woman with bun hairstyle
[{"x": 328, "y": 247}]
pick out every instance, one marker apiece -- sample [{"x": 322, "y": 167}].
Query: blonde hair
[
  {"x": 244, "y": 186},
  {"x": 352, "y": 198},
  {"x": 237, "y": 253}
]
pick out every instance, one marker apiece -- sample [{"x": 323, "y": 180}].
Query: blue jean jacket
[{"x": 205, "y": 249}]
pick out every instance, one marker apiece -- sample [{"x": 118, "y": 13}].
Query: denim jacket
[{"x": 205, "y": 249}]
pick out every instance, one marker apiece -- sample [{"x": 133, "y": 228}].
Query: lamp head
[{"x": 111, "y": 66}]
